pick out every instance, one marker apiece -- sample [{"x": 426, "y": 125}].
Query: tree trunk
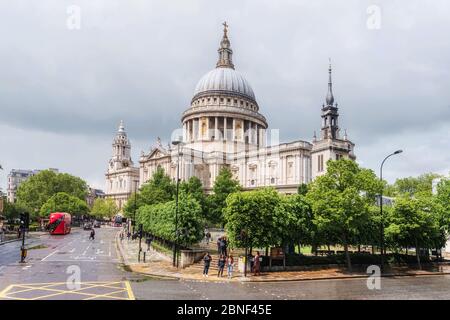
[
  {"x": 418, "y": 256},
  {"x": 359, "y": 248},
  {"x": 373, "y": 249},
  {"x": 328, "y": 246},
  {"x": 267, "y": 251},
  {"x": 347, "y": 254},
  {"x": 299, "y": 248}
]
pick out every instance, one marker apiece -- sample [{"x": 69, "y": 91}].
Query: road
[{"x": 73, "y": 267}]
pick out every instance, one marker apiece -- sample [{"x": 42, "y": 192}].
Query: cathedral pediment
[{"x": 157, "y": 152}]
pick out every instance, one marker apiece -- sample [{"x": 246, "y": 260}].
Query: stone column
[
  {"x": 216, "y": 130},
  {"x": 225, "y": 128}
]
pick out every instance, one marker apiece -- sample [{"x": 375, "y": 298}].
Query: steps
[{"x": 197, "y": 268}]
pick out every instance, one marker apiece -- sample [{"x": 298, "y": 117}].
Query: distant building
[
  {"x": 94, "y": 194},
  {"x": 16, "y": 177}
]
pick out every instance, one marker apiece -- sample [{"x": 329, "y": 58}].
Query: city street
[{"x": 54, "y": 262}]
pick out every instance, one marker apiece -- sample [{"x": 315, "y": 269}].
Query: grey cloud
[{"x": 139, "y": 61}]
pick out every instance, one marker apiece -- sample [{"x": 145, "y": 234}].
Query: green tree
[
  {"x": 340, "y": 200},
  {"x": 38, "y": 189},
  {"x": 254, "y": 212},
  {"x": 158, "y": 189},
  {"x": 64, "y": 202},
  {"x": 159, "y": 220},
  {"x": 415, "y": 185},
  {"x": 223, "y": 186},
  {"x": 104, "y": 208},
  {"x": 414, "y": 222},
  {"x": 194, "y": 188},
  {"x": 294, "y": 220},
  {"x": 12, "y": 211},
  {"x": 302, "y": 189}
]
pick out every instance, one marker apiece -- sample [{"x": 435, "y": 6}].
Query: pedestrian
[
  {"x": 230, "y": 264},
  {"x": 221, "y": 265},
  {"x": 224, "y": 246},
  {"x": 208, "y": 237},
  {"x": 92, "y": 235},
  {"x": 128, "y": 235},
  {"x": 219, "y": 247},
  {"x": 207, "y": 262},
  {"x": 257, "y": 264},
  {"x": 149, "y": 242}
]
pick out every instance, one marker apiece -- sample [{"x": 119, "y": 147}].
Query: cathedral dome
[{"x": 224, "y": 80}]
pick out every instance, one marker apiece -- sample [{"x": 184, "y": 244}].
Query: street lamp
[
  {"x": 136, "y": 182},
  {"x": 381, "y": 207},
  {"x": 177, "y": 143}
]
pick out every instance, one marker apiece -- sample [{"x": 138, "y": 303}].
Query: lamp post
[
  {"x": 175, "y": 247},
  {"x": 381, "y": 207},
  {"x": 135, "y": 204}
]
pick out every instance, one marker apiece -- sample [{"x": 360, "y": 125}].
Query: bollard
[{"x": 144, "y": 256}]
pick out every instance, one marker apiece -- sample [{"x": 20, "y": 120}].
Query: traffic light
[{"x": 24, "y": 220}]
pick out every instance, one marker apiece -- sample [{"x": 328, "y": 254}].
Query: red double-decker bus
[{"x": 59, "y": 223}]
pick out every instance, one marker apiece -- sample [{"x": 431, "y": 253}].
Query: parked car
[
  {"x": 97, "y": 224},
  {"x": 87, "y": 226}
]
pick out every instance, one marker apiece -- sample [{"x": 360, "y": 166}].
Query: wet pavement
[{"x": 72, "y": 267}]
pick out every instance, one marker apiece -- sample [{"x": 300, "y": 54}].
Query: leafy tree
[
  {"x": 158, "y": 189},
  {"x": 159, "y": 220},
  {"x": 12, "y": 211},
  {"x": 38, "y": 189},
  {"x": 340, "y": 200},
  {"x": 412, "y": 186},
  {"x": 194, "y": 188},
  {"x": 223, "y": 186},
  {"x": 413, "y": 223},
  {"x": 104, "y": 208},
  {"x": 254, "y": 212},
  {"x": 295, "y": 220},
  {"x": 64, "y": 202},
  {"x": 302, "y": 189}
]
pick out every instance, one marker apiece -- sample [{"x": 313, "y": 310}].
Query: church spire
[
  {"x": 121, "y": 127},
  {"x": 330, "y": 97},
  {"x": 225, "y": 52}
]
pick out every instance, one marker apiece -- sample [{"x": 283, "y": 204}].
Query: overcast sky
[{"x": 63, "y": 91}]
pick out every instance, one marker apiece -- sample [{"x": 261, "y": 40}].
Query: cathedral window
[{"x": 320, "y": 163}]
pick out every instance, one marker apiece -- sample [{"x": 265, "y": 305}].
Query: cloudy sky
[{"x": 64, "y": 89}]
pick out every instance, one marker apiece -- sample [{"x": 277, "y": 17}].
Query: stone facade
[{"x": 223, "y": 127}]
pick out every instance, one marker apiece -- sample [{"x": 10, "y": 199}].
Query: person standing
[
  {"x": 224, "y": 246},
  {"x": 257, "y": 264},
  {"x": 219, "y": 245},
  {"x": 207, "y": 262},
  {"x": 221, "y": 265},
  {"x": 230, "y": 263}
]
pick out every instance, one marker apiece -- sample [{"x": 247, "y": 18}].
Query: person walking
[
  {"x": 207, "y": 262},
  {"x": 128, "y": 235},
  {"x": 92, "y": 235},
  {"x": 230, "y": 264},
  {"x": 208, "y": 237},
  {"x": 221, "y": 265},
  {"x": 257, "y": 264}
]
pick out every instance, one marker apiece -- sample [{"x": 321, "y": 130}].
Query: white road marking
[
  {"x": 72, "y": 251},
  {"x": 49, "y": 255},
  {"x": 87, "y": 248}
]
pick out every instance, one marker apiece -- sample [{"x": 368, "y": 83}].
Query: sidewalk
[{"x": 161, "y": 266}]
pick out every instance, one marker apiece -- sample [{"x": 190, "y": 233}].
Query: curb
[
  {"x": 249, "y": 280},
  {"x": 9, "y": 241}
]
